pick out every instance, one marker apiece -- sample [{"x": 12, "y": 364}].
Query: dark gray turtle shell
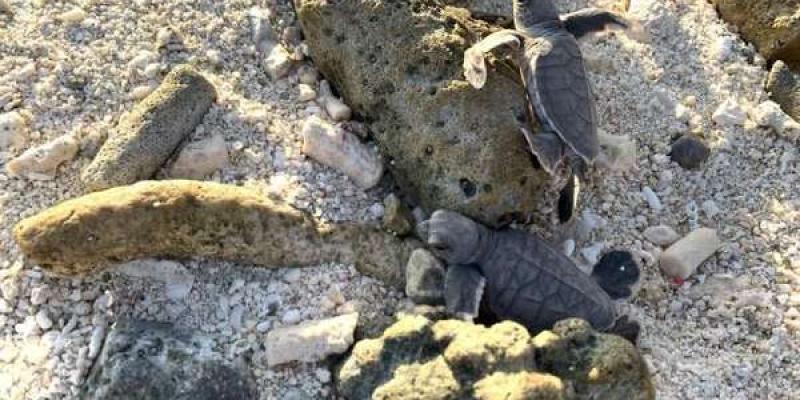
[
  {"x": 529, "y": 281},
  {"x": 559, "y": 90}
]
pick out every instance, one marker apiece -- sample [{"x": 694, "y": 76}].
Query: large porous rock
[
  {"x": 783, "y": 86},
  {"x": 448, "y": 145},
  {"x": 772, "y": 26},
  {"x": 150, "y": 360},
  {"x": 597, "y": 365},
  {"x": 147, "y": 136},
  {"x": 185, "y": 219},
  {"x": 452, "y": 359}
]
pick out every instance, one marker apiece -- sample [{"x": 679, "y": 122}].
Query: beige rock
[
  {"x": 311, "y": 341},
  {"x": 73, "y": 16},
  {"x": 306, "y": 92},
  {"x": 335, "y": 108},
  {"x": 278, "y": 62},
  {"x": 41, "y": 162},
  {"x": 342, "y": 151},
  {"x": 199, "y": 159},
  {"x": 682, "y": 258}
]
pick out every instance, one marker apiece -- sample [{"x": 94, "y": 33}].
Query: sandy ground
[{"x": 728, "y": 332}]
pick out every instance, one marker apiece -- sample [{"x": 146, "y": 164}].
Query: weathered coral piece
[
  {"x": 311, "y": 341},
  {"x": 682, "y": 258},
  {"x": 452, "y": 359},
  {"x": 42, "y": 161},
  {"x": 342, "y": 151},
  {"x": 147, "y": 136},
  {"x": 184, "y": 219}
]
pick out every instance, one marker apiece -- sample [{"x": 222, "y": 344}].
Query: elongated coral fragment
[{"x": 183, "y": 219}]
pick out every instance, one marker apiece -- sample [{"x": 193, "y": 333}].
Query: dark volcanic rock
[
  {"x": 150, "y": 360},
  {"x": 449, "y": 146},
  {"x": 689, "y": 152}
]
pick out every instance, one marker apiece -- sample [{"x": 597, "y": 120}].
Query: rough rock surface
[
  {"x": 397, "y": 217},
  {"x": 147, "y": 136},
  {"x": 783, "y": 86},
  {"x": 150, "y": 360},
  {"x": 184, "y": 219},
  {"x": 772, "y": 26},
  {"x": 448, "y": 145},
  {"x": 452, "y": 359},
  {"x": 425, "y": 276}
]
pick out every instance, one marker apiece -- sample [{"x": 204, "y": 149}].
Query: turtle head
[
  {"x": 453, "y": 237},
  {"x": 529, "y": 13}
]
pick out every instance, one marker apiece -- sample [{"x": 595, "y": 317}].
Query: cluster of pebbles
[{"x": 712, "y": 153}]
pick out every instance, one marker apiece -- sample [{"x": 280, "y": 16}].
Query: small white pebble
[
  {"x": 44, "y": 321},
  {"x": 306, "y": 92},
  {"x": 291, "y": 317},
  {"x": 96, "y": 342},
  {"x": 263, "y": 326},
  {"x": 652, "y": 200},
  {"x": 39, "y": 295},
  {"x": 323, "y": 375}
]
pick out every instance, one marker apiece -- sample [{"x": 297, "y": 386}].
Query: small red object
[{"x": 678, "y": 281}]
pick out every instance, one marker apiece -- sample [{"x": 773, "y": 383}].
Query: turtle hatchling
[
  {"x": 522, "y": 278},
  {"x": 551, "y": 65}
]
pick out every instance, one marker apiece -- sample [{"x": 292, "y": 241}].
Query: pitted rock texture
[
  {"x": 783, "y": 86},
  {"x": 448, "y": 145},
  {"x": 184, "y": 219},
  {"x": 151, "y": 360},
  {"x": 772, "y": 26},
  {"x": 147, "y": 136},
  {"x": 452, "y": 359}
]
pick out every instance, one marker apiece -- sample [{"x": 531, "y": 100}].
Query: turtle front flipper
[
  {"x": 475, "y": 56},
  {"x": 588, "y": 20},
  {"x": 463, "y": 289},
  {"x": 546, "y": 146}
]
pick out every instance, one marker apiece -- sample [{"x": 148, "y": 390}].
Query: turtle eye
[{"x": 439, "y": 246}]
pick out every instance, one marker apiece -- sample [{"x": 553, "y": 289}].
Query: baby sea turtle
[
  {"x": 553, "y": 73},
  {"x": 524, "y": 279}
]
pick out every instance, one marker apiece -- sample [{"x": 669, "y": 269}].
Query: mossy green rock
[
  {"x": 772, "y": 26},
  {"x": 417, "y": 358},
  {"x": 598, "y": 365},
  {"x": 448, "y": 145},
  {"x": 185, "y": 219}
]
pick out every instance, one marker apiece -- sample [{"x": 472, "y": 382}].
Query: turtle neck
[{"x": 535, "y": 15}]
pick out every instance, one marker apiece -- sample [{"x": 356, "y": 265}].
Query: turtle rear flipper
[
  {"x": 616, "y": 273},
  {"x": 546, "y": 146},
  {"x": 626, "y": 328},
  {"x": 463, "y": 289},
  {"x": 475, "y": 56}
]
